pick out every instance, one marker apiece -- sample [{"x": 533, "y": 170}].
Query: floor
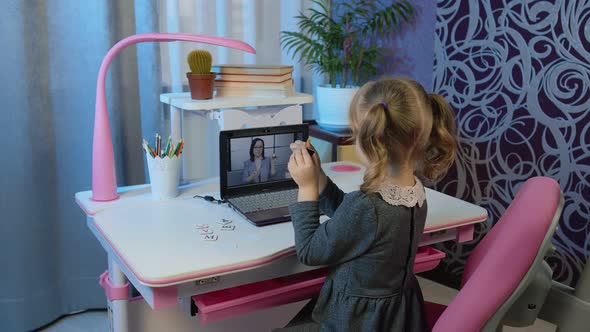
[
  {"x": 96, "y": 320},
  {"x": 87, "y": 321}
]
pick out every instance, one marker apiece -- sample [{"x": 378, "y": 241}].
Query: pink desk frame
[{"x": 175, "y": 293}]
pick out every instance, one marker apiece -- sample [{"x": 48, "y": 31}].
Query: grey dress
[{"x": 371, "y": 245}]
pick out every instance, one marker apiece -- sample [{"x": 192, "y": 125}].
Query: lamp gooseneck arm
[{"x": 104, "y": 182}]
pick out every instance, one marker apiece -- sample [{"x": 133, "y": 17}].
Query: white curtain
[
  {"x": 50, "y": 261},
  {"x": 257, "y": 22}
]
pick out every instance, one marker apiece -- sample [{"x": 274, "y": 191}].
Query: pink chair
[{"x": 506, "y": 279}]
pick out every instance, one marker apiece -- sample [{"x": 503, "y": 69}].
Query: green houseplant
[
  {"x": 344, "y": 40},
  {"x": 200, "y": 80}
]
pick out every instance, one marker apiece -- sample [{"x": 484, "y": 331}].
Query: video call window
[{"x": 241, "y": 166}]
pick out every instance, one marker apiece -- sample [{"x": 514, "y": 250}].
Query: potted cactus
[{"x": 200, "y": 79}]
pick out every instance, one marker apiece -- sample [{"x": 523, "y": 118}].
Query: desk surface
[{"x": 163, "y": 242}]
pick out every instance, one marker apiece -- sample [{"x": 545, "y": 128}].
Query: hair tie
[{"x": 384, "y": 104}]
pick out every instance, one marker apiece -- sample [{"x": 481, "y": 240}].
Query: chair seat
[{"x": 433, "y": 312}]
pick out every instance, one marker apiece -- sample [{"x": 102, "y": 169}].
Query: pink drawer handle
[{"x": 427, "y": 258}]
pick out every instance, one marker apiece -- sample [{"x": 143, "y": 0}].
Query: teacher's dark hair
[{"x": 252, "y": 148}]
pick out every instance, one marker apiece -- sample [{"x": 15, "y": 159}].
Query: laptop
[{"x": 254, "y": 178}]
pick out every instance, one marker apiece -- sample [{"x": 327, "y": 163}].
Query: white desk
[{"x": 159, "y": 248}]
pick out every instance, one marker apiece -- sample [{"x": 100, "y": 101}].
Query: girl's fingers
[
  {"x": 295, "y": 145},
  {"x": 299, "y": 157},
  {"x": 316, "y": 159},
  {"x": 306, "y": 157},
  {"x": 291, "y": 165}
]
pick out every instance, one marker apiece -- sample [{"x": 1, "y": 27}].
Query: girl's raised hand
[
  {"x": 322, "y": 178},
  {"x": 304, "y": 170}
]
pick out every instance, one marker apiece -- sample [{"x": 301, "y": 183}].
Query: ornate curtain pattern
[{"x": 517, "y": 74}]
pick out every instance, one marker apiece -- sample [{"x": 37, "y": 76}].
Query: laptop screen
[{"x": 254, "y": 160}]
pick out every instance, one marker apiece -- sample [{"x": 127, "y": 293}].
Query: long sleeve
[
  {"x": 348, "y": 234},
  {"x": 265, "y": 170},
  {"x": 246, "y": 171},
  {"x": 330, "y": 198}
]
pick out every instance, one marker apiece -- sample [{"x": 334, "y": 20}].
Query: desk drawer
[
  {"x": 427, "y": 258},
  {"x": 230, "y": 302},
  {"x": 226, "y": 303}
]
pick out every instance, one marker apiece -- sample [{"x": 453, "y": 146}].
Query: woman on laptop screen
[{"x": 258, "y": 168}]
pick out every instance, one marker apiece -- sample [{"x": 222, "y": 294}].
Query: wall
[
  {"x": 412, "y": 48},
  {"x": 518, "y": 76}
]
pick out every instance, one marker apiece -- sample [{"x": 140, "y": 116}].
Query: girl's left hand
[{"x": 305, "y": 172}]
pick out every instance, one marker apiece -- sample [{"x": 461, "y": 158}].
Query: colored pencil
[
  {"x": 148, "y": 149},
  {"x": 167, "y": 149},
  {"x": 180, "y": 147},
  {"x": 157, "y": 145}
]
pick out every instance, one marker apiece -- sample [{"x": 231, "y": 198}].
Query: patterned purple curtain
[{"x": 518, "y": 75}]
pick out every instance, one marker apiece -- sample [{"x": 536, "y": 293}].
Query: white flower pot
[{"x": 333, "y": 106}]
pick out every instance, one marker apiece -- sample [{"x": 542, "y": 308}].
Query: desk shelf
[{"x": 183, "y": 101}]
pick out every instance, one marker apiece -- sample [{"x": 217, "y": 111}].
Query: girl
[{"x": 400, "y": 132}]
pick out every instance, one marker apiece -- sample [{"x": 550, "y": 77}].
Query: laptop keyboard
[{"x": 265, "y": 201}]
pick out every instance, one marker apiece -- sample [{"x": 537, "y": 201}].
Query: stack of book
[{"x": 254, "y": 81}]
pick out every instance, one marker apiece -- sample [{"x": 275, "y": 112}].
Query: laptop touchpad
[{"x": 272, "y": 214}]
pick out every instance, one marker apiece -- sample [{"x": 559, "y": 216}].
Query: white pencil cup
[{"x": 164, "y": 176}]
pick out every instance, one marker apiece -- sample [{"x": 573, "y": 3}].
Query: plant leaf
[{"x": 341, "y": 37}]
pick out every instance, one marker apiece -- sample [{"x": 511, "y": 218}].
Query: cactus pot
[{"x": 201, "y": 85}]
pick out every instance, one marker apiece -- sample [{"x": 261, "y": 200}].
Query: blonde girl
[{"x": 401, "y": 133}]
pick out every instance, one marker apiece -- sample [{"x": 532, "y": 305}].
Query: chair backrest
[{"x": 514, "y": 246}]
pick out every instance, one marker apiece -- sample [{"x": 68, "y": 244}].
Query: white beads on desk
[
  {"x": 208, "y": 233},
  {"x": 210, "y": 237},
  {"x": 224, "y": 221},
  {"x": 228, "y": 227}
]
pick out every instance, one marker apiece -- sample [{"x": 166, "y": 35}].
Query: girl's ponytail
[
  {"x": 369, "y": 137},
  {"x": 442, "y": 146}
]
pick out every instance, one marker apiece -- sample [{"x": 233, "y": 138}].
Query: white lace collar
[{"x": 406, "y": 196}]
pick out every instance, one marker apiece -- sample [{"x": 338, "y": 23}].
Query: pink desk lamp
[{"x": 104, "y": 182}]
